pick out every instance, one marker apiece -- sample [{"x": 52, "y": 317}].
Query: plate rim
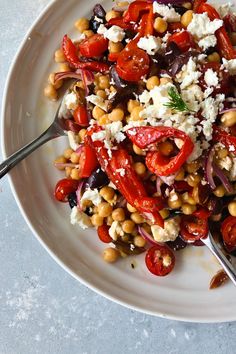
[{"x": 83, "y": 281}]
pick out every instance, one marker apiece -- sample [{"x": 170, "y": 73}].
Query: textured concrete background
[{"x": 44, "y": 310}]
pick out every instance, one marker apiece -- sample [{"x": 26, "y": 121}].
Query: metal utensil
[{"x": 55, "y": 130}]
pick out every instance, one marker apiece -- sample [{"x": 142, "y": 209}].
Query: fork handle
[
  {"x": 19, "y": 155},
  {"x": 227, "y": 265}
]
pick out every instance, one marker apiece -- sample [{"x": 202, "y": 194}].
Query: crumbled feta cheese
[
  {"x": 223, "y": 10},
  {"x": 93, "y": 195},
  {"x": 80, "y": 218},
  {"x": 72, "y": 140},
  {"x": 169, "y": 233},
  {"x": 98, "y": 19},
  {"x": 115, "y": 230},
  {"x": 201, "y": 25},
  {"x": 226, "y": 163},
  {"x": 71, "y": 101},
  {"x": 189, "y": 74},
  {"x": 211, "y": 78},
  {"x": 196, "y": 153},
  {"x": 150, "y": 44},
  {"x": 230, "y": 66},
  {"x": 121, "y": 171},
  {"x": 210, "y": 108},
  {"x": 232, "y": 176},
  {"x": 115, "y": 131},
  {"x": 114, "y": 33},
  {"x": 97, "y": 101},
  {"x": 208, "y": 42},
  {"x": 99, "y": 136},
  {"x": 168, "y": 13},
  {"x": 192, "y": 97}
]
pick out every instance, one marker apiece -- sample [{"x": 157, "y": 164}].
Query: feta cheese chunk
[
  {"x": 169, "y": 233},
  {"x": 72, "y": 140},
  {"x": 226, "y": 163},
  {"x": 230, "y": 66},
  {"x": 168, "y": 13},
  {"x": 92, "y": 195},
  {"x": 211, "y": 78},
  {"x": 201, "y": 25},
  {"x": 80, "y": 218},
  {"x": 114, "y": 33},
  {"x": 71, "y": 101},
  {"x": 189, "y": 74},
  {"x": 97, "y": 101},
  {"x": 150, "y": 44},
  {"x": 208, "y": 42},
  {"x": 115, "y": 230},
  {"x": 232, "y": 176}
]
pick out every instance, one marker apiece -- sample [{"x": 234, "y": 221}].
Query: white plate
[{"x": 183, "y": 295}]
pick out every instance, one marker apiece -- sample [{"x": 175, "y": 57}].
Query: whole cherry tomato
[
  {"x": 93, "y": 46},
  {"x": 160, "y": 260},
  {"x": 87, "y": 162},
  {"x": 228, "y": 230},
  {"x": 103, "y": 233},
  {"x": 64, "y": 187},
  {"x": 81, "y": 116},
  {"x": 193, "y": 228}
]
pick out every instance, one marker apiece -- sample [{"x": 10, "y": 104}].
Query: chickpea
[
  {"x": 130, "y": 208},
  {"x": 74, "y": 157},
  {"x": 165, "y": 80},
  {"x": 219, "y": 191},
  {"x": 147, "y": 228},
  {"x": 51, "y": 80},
  {"x": 82, "y": 134},
  {"x": 118, "y": 214},
  {"x": 131, "y": 104},
  {"x": 186, "y": 18},
  {"x": 139, "y": 241},
  {"x": 68, "y": 171},
  {"x": 104, "y": 209},
  {"x": 137, "y": 218},
  {"x": 67, "y": 153},
  {"x": 139, "y": 168},
  {"x": 193, "y": 179},
  {"x": 115, "y": 47},
  {"x": 137, "y": 150},
  {"x": 233, "y": 38},
  {"x": 97, "y": 112},
  {"x": 82, "y": 24},
  {"x": 186, "y": 198},
  {"x": 96, "y": 220},
  {"x": 232, "y": 208},
  {"x": 180, "y": 175},
  {"x": 152, "y": 82},
  {"x": 50, "y": 92},
  {"x": 166, "y": 148},
  {"x": 187, "y": 5},
  {"x": 174, "y": 201},
  {"x": 109, "y": 220},
  {"x": 116, "y": 115},
  {"x": 101, "y": 93},
  {"x": 103, "y": 82},
  {"x": 107, "y": 193},
  {"x": 103, "y": 120},
  {"x": 222, "y": 153},
  {"x": 192, "y": 167},
  {"x": 135, "y": 114},
  {"x": 160, "y": 25},
  {"x": 229, "y": 118},
  {"x": 214, "y": 57},
  {"x": 112, "y": 14},
  {"x": 123, "y": 3},
  {"x": 195, "y": 194},
  {"x": 64, "y": 67},
  {"x": 88, "y": 33},
  {"x": 59, "y": 56},
  {"x": 188, "y": 209},
  {"x": 75, "y": 174},
  {"x": 110, "y": 255},
  {"x": 60, "y": 159},
  {"x": 128, "y": 226},
  {"x": 164, "y": 213}
]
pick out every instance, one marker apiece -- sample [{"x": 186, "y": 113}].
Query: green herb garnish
[{"x": 176, "y": 101}]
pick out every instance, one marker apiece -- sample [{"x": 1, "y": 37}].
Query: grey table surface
[{"x": 42, "y": 308}]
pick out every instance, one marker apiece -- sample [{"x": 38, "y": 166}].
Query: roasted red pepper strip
[
  {"x": 119, "y": 21},
  {"x": 113, "y": 56},
  {"x": 70, "y": 52},
  {"x": 145, "y": 137},
  {"x": 129, "y": 185},
  {"x": 146, "y": 24},
  {"x": 228, "y": 140},
  {"x": 224, "y": 44},
  {"x": 135, "y": 9},
  {"x": 196, "y": 4}
]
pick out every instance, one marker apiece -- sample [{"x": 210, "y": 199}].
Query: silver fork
[{"x": 55, "y": 130}]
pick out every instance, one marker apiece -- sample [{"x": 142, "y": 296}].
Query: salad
[{"x": 151, "y": 121}]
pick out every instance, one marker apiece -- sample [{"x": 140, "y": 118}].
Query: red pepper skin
[
  {"x": 224, "y": 44},
  {"x": 119, "y": 21},
  {"x": 197, "y": 3},
  {"x": 135, "y": 9},
  {"x": 228, "y": 140},
  {"x": 130, "y": 186},
  {"x": 183, "y": 39},
  {"x": 113, "y": 56},
  {"x": 146, "y": 24},
  {"x": 161, "y": 165},
  {"x": 70, "y": 52}
]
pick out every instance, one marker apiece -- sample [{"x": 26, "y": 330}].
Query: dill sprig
[{"x": 176, "y": 102}]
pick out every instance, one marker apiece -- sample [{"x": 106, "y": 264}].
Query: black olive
[
  {"x": 210, "y": 50},
  {"x": 177, "y": 245},
  {"x": 93, "y": 24},
  {"x": 98, "y": 179},
  {"x": 180, "y": 9},
  {"x": 99, "y": 11},
  {"x": 72, "y": 199}
]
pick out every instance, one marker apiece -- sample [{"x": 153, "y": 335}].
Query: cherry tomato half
[
  {"x": 228, "y": 230},
  {"x": 183, "y": 39},
  {"x": 132, "y": 64},
  {"x": 224, "y": 78},
  {"x": 193, "y": 228},
  {"x": 87, "y": 162},
  {"x": 64, "y": 187},
  {"x": 93, "y": 46},
  {"x": 81, "y": 116},
  {"x": 103, "y": 233},
  {"x": 160, "y": 260}
]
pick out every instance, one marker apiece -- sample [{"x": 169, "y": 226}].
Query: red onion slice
[
  {"x": 233, "y": 109},
  {"x": 87, "y": 78},
  {"x": 79, "y": 194},
  {"x": 67, "y": 75},
  {"x": 64, "y": 165},
  {"x": 147, "y": 236},
  {"x": 209, "y": 169},
  {"x": 158, "y": 185},
  {"x": 78, "y": 150},
  {"x": 220, "y": 174}
]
